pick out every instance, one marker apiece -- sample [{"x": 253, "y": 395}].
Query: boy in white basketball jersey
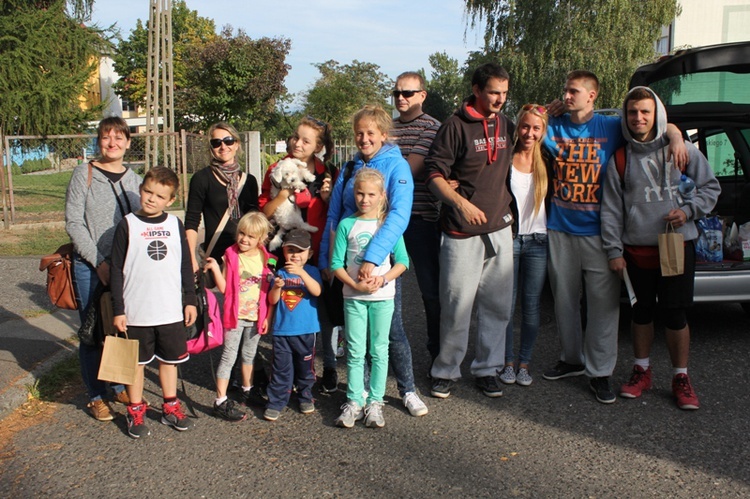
[{"x": 151, "y": 267}]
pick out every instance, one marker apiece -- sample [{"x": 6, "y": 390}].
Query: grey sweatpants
[
  {"x": 467, "y": 278},
  {"x": 574, "y": 260}
]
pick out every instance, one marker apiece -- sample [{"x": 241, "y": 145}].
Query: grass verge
[
  {"x": 58, "y": 379},
  {"x": 37, "y": 240}
]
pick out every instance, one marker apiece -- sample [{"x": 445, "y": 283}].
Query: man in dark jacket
[{"x": 473, "y": 148}]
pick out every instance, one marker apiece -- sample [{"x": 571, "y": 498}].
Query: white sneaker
[
  {"x": 374, "y": 415},
  {"x": 523, "y": 377},
  {"x": 350, "y": 412},
  {"x": 414, "y": 404},
  {"x": 507, "y": 375}
]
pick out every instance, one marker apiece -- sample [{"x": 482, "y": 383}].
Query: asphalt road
[{"x": 551, "y": 439}]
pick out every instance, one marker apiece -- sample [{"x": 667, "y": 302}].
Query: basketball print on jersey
[{"x": 157, "y": 250}]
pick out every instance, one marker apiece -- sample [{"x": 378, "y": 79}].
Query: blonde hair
[
  {"x": 255, "y": 224},
  {"x": 538, "y": 167},
  {"x": 374, "y": 177},
  {"x": 377, "y": 115}
]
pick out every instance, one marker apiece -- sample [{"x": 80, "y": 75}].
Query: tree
[
  {"x": 342, "y": 90},
  {"x": 47, "y": 58},
  {"x": 539, "y": 42},
  {"x": 130, "y": 61},
  {"x": 446, "y": 87},
  {"x": 233, "y": 78}
]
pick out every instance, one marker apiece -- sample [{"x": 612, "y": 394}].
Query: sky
[{"x": 396, "y": 35}]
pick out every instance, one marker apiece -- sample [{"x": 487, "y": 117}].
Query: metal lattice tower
[{"x": 160, "y": 87}]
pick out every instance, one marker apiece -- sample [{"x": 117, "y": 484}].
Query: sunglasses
[
  {"x": 216, "y": 143},
  {"x": 321, "y": 124},
  {"x": 534, "y": 107},
  {"x": 406, "y": 93}
]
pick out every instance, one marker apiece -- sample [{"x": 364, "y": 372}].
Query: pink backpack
[{"x": 207, "y": 332}]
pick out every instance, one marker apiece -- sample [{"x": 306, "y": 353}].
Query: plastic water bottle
[{"x": 686, "y": 187}]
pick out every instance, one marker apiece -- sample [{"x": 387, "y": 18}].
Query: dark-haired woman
[{"x": 99, "y": 195}]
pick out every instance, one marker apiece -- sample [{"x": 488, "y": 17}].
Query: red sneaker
[
  {"x": 684, "y": 393},
  {"x": 640, "y": 381}
]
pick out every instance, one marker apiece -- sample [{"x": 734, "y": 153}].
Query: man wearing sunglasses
[
  {"x": 474, "y": 148},
  {"x": 414, "y": 131}
]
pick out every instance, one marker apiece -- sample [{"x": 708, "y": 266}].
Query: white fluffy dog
[{"x": 292, "y": 174}]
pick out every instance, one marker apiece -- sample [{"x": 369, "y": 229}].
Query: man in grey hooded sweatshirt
[{"x": 638, "y": 202}]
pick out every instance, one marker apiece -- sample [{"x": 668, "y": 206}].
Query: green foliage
[
  {"x": 269, "y": 159},
  {"x": 540, "y": 42},
  {"x": 282, "y": 121},
  {"x": 233, "y": 78},
  {"x": 46, "y": 60},
  {"x": 130, "y": 61},
  {"x": 36, "y": 165},
  {"x": 342, "y": 90},
  {"x": 446, "y": 87}
]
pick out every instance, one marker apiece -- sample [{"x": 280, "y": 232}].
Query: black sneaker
[
  {"x": 172, "y": 415},
  {"x": 136, "y": 421},
  {"x": 441, "y": 388},
  {"x": 330, "y": 381},
  {"x": 490, "y": 386},
  {"x": 564, "y": 370},
  {"x": 255, "y": 396},
  {"x": 600, "y": 387},
  {"x": 228, "y": 410},
  {"x": 271, "y": 414}
]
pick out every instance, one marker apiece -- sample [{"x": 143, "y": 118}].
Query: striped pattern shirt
[{"x": 416, "y": 137}]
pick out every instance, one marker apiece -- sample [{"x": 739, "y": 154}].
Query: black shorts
[
  {"x": 673, "y": 292},
  {"x": 167, "y": 342}
]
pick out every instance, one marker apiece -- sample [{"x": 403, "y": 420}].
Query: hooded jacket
[
  {"x": 462, "y": 151},
  {"x": 230, "y": 317},
  {"x": 634, "y": 207},
  {"x": 399, "y": 188}
]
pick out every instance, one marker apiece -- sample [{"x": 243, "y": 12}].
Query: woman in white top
[{"x": 529, "y": 181}]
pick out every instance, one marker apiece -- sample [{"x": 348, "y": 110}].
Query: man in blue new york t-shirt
[{"x": 581, "y": 143}]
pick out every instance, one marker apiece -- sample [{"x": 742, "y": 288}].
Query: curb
[{"x": 16, "y": 394}]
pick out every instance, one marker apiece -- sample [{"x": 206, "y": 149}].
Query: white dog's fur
[{"x": 292, "y": 174}]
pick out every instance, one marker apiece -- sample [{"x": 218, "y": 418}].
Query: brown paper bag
[
  {"x": 119, "y": 360},
  {"x": 671, "y": 252}
]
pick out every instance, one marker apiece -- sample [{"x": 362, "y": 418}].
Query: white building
[{"x": 706, "y": 23}]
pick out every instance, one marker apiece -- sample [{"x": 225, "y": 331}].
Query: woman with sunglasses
[
  {"x": 530, "y": 187},
  {"x": 219, "y": 190}
]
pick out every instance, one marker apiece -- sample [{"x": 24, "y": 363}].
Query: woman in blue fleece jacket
[{"x": 399, "y": 185}]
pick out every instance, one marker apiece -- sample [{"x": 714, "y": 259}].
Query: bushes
[{"x": 32, "y": 165}]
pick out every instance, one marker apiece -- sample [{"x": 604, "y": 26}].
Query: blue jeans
[
  {"x": 399, "y": 350},
  {"x": 530, "y": 270},
  {"x": 85, "y": 281},
  {"x": 422, "y": 240}
]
